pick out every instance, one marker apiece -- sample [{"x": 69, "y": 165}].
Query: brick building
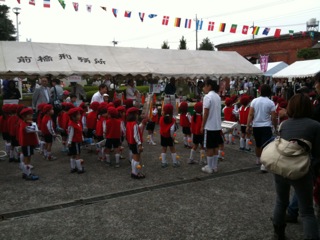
[{"x": 284, "y": 48}]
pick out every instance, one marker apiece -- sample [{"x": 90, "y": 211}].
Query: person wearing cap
[
  {"x": 152, "y": 123},
  {"x": 196, "y": 122},
  {"x": 65, "y": 95},
  {"x": 98, "y": 96},
  {"x": 92, "y": 118},
  {"x": 47, "y": 130},
  {"x": 211, "y": 124},
  {"x": 62, "y": 124},
  {"x": 12, "y": 126},
  {"x": 243, "y": 113},
  {"x": 28, "y": 140},
  {"x": 167, "y": 135},
  {"x": 122, "y": 116},
  {"x": 112, "y": 132},
  {"x": 185, "y": 121},
  {"x": 75, "y": 138},
  {"x": 4, "y": 127},
  {"x": 134, "y": 139},
  {"x": 106, "y": 97},
  {"x": 100, "y": 129}
]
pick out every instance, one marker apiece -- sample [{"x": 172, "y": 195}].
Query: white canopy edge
[
  {"x": 300, "y": 69},
  {"x": 29, "y": 58},
  {"x": 273, "y": 68}
]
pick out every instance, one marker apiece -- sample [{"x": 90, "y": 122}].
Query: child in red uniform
[
  {"x": 122, "y": 116},
  {"x": 229, "y": 115},
  {"x": 39, "y": 118},
  {"x": 28, "y": 139},
  {"x": 102, "y": 118},
  {"x": 134, "y": 139},
  {"x": 75, "y": 139},
  {"x": 4, "y": 127},
  {"x": 62, "y": 124},
  {"x": 92, "y": 118},
  {"x": 243, "y": 112},
  {"x": 12, "y": 126},
  {"x": 185, "y": 123},
  {"x": 47, "y": 129},
  {"x": 196, "y": 122},
  {"x": 151, "y": 125},
  {"x": 167, "y": 131},
  {"x": 113, "y": 133}
]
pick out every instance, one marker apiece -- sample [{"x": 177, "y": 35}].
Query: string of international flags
[{"x": 177, "y": 22}]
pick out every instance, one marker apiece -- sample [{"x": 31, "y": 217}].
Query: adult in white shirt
[
  {"x": 211, "y": 124},
  {"x": 262, "y": 115},
  {"x": 98, "y": 96},
  {"x": 131, "y": 91}
]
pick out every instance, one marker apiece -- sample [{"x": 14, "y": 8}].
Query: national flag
[
  {"x": 222, "y": 27},
  {"x": 245, "y": 29},
  {"x": 187, "y": 23},
  {"x": 127, "y": 14},
  {"x": 104, "y": 8},
  {"x": 199, "y": 24},
  {"x": 233, "y": 28},
  {"x": 76, "y": 6},
  {"x": 165, "y": 20},
  {"x": 177, "y": 22},
  {"x": 255, "y": 30},
  {"x": 141, "y": 16},
  {"x": 152, "y": 15},
  {"x": 46, "y": 3},
  {"x": 89, "y": 8},
  {"x": 277, "y": 33},
  {"x": 291, "y": 33},
  {"x": 62, "y": 3},
  {"x": 266, "y": 31},
  {"x": 210, "y": 26},
  {"x": 115, "y": 12},
  {"x": 32, "y": 2}
]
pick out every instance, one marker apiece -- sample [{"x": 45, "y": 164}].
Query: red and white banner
[{"x": 264, "y": 62}]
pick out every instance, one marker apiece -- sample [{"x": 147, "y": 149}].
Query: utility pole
[
  {"x": 196, "y": 32},
  {"x": 16, "y": 11},
  {"x": 252, "y": 30}
]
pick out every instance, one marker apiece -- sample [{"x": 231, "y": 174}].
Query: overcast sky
[{"x": 99, "y": 27}]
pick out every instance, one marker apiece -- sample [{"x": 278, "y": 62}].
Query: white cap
[{"x": 105, "y": 95}]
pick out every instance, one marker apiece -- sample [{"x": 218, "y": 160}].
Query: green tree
[
  {"x": 7, "y": 28},
  {"x": 206, "y": 45},
  {"x": 183, "y": 43},
  {"x": 308, "y": 53},
  {"x": 165, "y": 45}
]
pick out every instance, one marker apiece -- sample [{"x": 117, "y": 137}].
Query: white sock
[
  {"x": 192, "y": 153},
  {"x": 230, "y": 138},
  {"x": 215, "y": 162},
  {"x": 107, "y": 158},
  {"x": 130, "y": 155},
  {"x": 151, "y": 138},
  {"x": 241, "y": 142},
  {"x": 26, "y": 169},
  {"x": 11, "y": 153},
  {"x": 117, "y": 155},
  {"x": 185, "y": 140},
  {"x": 42, "y": 143},
  {"x": 78, "y": 164},
  {"x": 174, "y": 157},
  {"x": 210, "y": 162},
  {"x": 8, "y": 147},
  {"x": 220, "y": 153},
  {"x": 247, "y": 143},
  {"x": 45, "y": 152},
  {"x": 189, "y": 141},
  {"x": 72, "y": 163},
  {"x": 226, "y": 136},
  {"x": 163, "y": 156},
  {"x": 134, "y": 168},
  {"x": 16, "y": 153},
  {"x": 257, "y": 160}
]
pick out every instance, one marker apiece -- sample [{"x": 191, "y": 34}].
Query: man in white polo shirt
[
  {"x": 211, "y": 124},
  {"x": 98, "y": 96}
]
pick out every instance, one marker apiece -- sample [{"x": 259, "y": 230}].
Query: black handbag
[{"x": 56, "y": 102}]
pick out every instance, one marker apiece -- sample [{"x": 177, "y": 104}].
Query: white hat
[{"x": 105, "y": 95}]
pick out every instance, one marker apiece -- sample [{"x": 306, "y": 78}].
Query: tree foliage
[
  {"x": 308, "y": 53},
  {"x": 165, "y": 45},
  {"x": 206, "y": 44},
  {"x": 7, "y": 28},
  {"x": 183, "y": 43}
]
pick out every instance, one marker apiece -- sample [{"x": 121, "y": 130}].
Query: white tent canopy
[
  {"x": 28, "y": 58},
  {"x": 300, "y": 69},
  {"x": 273, "y": 68}
]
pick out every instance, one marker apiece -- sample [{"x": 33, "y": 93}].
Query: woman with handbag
[{"x": 298, "y": 126}]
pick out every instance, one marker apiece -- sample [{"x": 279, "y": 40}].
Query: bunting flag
[
  {"x": 291, "y": 33},
  {"x": 177, "y": 22},
  {"x": 32, "y": 2},
  {"x": 89, "y": 8},
  {"x": 165, "y": 20},
  {"x": 210, "y": 26},
  {"x": 199, "y": 24},
  {"x": 62, "y": 3},
  {"x": 245, "y": 29},
  {"x": 255, "y": 30},
  {"x": 222, "y": 27},
  {"x": 141, "y": 16},
  {"x": 46, "y": 3},
  {"x": 152, "y": 15},
  {"x": 18, "y": 1},
  {"x": 277, "y": 33},
  {"x": 127, "y": 14},
  {"x": 187, "y": 23},
  {"x": 115, "y": 12},
  {"x": 76, "y": 6},
  {"x": 104, "y": 8},
  {"x": 266, "y": 31},
  {"x": 233, "y": 28}
]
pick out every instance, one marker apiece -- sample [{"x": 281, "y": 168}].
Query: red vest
[
  {"x": 196, "y": 126},
  {"x": 77, "y": 131},
  {"x": 228, "y": 115},
  {"x": 39, "y": 120},
  {"x": 113, "y": 128},
  {"x": 154, "y": 118},
  {"x": 44, "y": 121},
  {"x": 13, "y": 124},
  {"x": 4, "y": 125},
  {"x": 130, "y": 132},
  {"x": 165, "y": 128},
  {"x": 20, "y": 121},
  {"x": 184, "y": 121},
  {"x": 65, "y": 121},
  {"x": 99, "y": 127},
  {"x": 27, "y": 139},
  {"x": 92, "y": 120},
  {"x": 243, "y": 115}
]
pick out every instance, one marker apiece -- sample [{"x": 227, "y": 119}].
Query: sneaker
[
  {"x": 206, "y": 169},
  {"x": 164, "y": 165},
  {"x": 176, "y": 165},
  {"x": 80, "y": 171},
  {"x": 74, "y": 170},
  {"x": 215, "y": 170},
  {"x": 263, "y": 169},
  {"x": 203, "y": 162},
  {"x": 138, "y": 176},
  {"x": 247, "y": 149},
  {"x": 153, "y": 143},
  {"x": 191, "y": 161},
  {"x": 242, "y": 149},
  {"x": 221, "y": 159},
  {"x": 108, "y": 164},
  {"x": 31, "y": 177},
  {"x": 176, "y": 141},
  {"x": 117, "y": 165}
]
